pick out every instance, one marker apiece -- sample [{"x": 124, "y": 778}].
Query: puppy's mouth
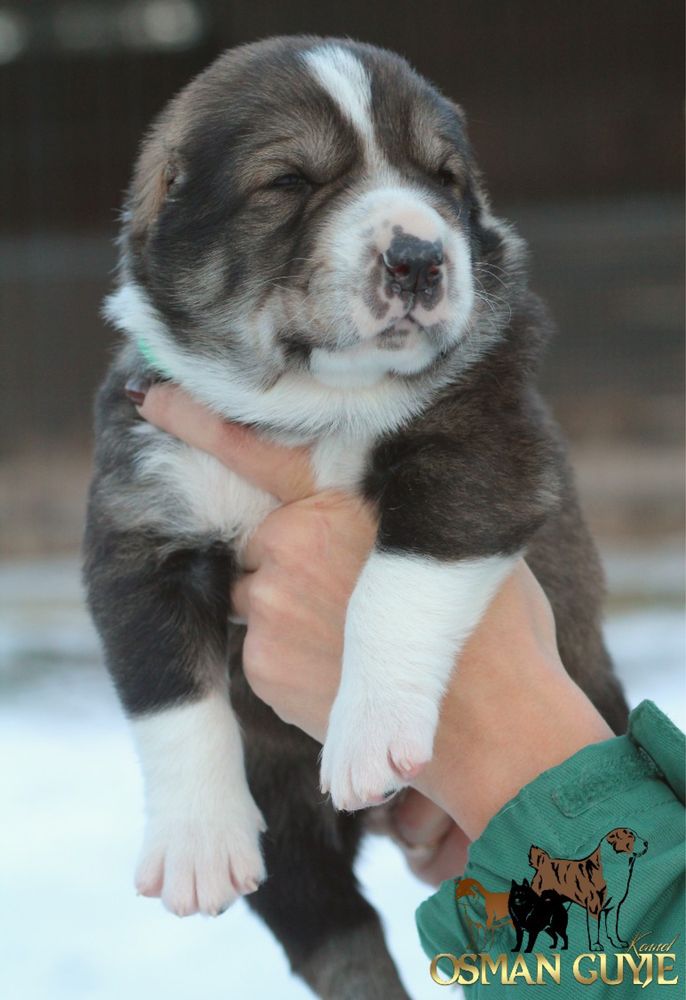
[
  {"x": 402, "y": 349},
  {"x": 403, "y": 335},
  {"x": 396, "y": 336}
]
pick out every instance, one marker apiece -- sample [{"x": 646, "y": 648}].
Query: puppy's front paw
[
  {"x": 371, "y": 750},
  {"x": 202, "y": 860}
]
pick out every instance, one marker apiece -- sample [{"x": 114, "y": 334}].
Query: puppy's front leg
[
  {"x": 407, "y": 621},
  {"x": 161, "y": 610}
]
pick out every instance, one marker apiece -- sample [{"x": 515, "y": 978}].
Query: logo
[{"x": 569, "y": 904}]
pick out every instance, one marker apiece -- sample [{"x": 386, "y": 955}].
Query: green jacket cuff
[{"x": 604, "y": 832}]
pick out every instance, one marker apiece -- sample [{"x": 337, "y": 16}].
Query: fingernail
[
  {"x": 237, "y": 620},
  {"x": 136, "y": 389}
]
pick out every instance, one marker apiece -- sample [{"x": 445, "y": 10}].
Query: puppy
[
  {"x": 599, "y": 882},
  {"x": 308, "y": 248}
]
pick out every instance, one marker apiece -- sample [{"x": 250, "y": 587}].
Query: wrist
[{"x": 489, "y": 747}]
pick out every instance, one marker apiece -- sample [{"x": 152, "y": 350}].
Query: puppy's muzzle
[{"x": 414, "y": 266}]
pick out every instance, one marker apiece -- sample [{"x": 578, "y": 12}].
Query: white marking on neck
[
  {"x": 298, "y": 404},
  {"x": 367, "y": 363},
  {"x": 339, "y": 462}
]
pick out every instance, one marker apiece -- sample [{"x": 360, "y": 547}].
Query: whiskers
[
  {"x": 498, "y": 306},
  {"x": 493, "y": 271}
]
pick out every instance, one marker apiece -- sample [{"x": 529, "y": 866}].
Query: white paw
[
  {"x": 374, "y": 748},
  {"x": 203, "y": 860}
]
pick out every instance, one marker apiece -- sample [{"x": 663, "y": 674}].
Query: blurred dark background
[{"x": 576, "y": 112}]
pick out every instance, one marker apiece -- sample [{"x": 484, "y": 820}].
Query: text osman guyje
[{"x": 639, "y": 969}]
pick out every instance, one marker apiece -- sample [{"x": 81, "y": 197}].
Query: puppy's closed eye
[{"x": 291, "y": 180}]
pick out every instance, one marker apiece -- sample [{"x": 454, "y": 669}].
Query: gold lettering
[
  {"x": 663, "y": 967},
  {"x": 603, "y": 971},
  {"x": 669, "y": 946},
  {"x": 650, "y": 947},
  {"x": 469, "y": 967},
  {"x": 500, "y": 963},
  {"x": 552, "y": 968},
  {"x": 520, "y": 970},
  {"x": 434, "y": 969},
  {"x": 576, "y": 969},
  {"x": 648, "y": 969},
  {"x": 645, "y": 961},
  {"x": 633, "y": 944}
]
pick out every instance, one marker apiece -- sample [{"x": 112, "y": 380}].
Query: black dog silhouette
[{"x": 533, "y": 913}]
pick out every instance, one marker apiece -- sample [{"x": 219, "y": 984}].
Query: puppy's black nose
[{"x": 414, "y": 265}]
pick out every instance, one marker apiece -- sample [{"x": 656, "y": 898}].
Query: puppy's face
[{"x": 314, "y": 206}]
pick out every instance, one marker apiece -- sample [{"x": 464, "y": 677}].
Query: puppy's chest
[{"x": 192, "y": 492}]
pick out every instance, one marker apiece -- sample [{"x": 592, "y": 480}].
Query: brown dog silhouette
[
  {"x": 599, "y": 882},
  {"x": 495, "y": 903}
]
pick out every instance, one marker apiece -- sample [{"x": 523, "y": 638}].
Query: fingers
[
  {"x": 434, "y": 846},
  {"x": 283, "y": 472}
]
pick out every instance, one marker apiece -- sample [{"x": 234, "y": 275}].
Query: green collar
[{"x": 149, "y": 356}]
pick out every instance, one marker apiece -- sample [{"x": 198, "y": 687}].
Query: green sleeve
[{"x": 600, "y": 842}]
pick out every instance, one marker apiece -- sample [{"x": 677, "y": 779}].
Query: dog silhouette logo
[
  {"x": 534, "y": 912},
  {"x": 597, "y": 883},
  {"x": 494, "y": 906}
]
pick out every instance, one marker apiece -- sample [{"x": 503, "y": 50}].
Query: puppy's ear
[
  {"x": 459, "y": 111},
  {"x": 514, "y": 884},
  {"x": 525, "y": 883},
  {"x": 157, "y": 174}
]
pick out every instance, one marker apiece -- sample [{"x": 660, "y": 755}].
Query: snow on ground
[{"x": 72, "y": 926}]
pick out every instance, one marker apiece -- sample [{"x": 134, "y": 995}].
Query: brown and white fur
[{"x": 308, "y": 248}]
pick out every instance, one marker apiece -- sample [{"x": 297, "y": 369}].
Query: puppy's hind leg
[
  {"x": 310, "y": 900},
  {"x": 161, "y": 609}
]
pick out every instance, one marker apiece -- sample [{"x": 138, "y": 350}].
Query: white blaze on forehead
[{"x": 345, "y": 78}]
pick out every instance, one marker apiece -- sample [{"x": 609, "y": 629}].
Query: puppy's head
[
  {"x": 626, "y": 841},
  {"x": 313, "y": 205}
]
